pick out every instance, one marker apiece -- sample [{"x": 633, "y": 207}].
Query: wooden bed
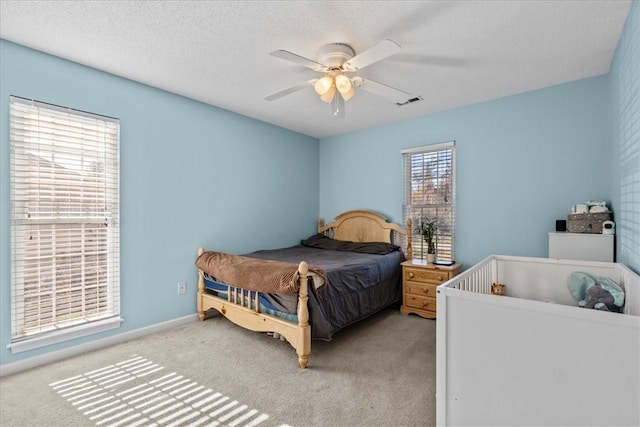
[{"x": 352, "y": 226}]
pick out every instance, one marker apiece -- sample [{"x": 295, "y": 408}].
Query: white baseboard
[{"x": 54, "y": 356}]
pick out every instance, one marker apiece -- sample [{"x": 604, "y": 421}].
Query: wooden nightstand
[{"x": 419, "y": 283}]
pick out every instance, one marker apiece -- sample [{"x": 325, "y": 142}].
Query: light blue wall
[
  {"x": 522, "y": 161},
  {"x": 191, "y": 175},
  {"x": 624, "y": 80}
]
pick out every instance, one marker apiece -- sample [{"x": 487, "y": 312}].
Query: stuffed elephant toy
[
  {"x": 599, "y": 298},
  {"x": 605, "y": 294}
]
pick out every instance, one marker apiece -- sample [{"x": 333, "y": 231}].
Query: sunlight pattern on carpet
[{"x": 138, "y": 392}]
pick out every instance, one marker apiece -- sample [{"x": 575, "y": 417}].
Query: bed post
[
  {"x": 200, "y": 288},
  {"x": 409, "y": 238},
  {"x": 304, "y": 345}
]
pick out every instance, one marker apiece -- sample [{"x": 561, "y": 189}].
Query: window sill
[{"x": 65, "y": 335}]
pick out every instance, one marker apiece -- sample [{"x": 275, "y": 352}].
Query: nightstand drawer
[
  {"x": 420, "y": 281},
  {"x": 421, "y": 289},
  {"x": 427, "y": 276},
  {"x": 422, "y": 303}
]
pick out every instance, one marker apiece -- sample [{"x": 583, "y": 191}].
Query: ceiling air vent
[{"x": 409, "y": 101}]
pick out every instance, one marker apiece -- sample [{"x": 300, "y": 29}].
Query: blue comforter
[{"x": 358, "y": 285}]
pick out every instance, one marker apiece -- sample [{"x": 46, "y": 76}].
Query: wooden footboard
[{"x": 245, "y": 312}]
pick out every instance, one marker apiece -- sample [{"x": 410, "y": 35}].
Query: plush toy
[
  {"x": 604, "y": 295},
  {"x": 497, "y": 288},
  {"x": 599, "y": 298},
  {"x": 616, "y": 292}
]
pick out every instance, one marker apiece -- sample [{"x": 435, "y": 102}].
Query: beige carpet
[{"x": 380, "y": 372}]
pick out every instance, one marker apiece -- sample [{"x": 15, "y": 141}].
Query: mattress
[{"x": 359, "y": 284}]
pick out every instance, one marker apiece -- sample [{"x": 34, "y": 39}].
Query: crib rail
[
  {"x": 523, "y": 275},
  {"x": 477, "y": 280},
  {"x": 631, "y": 284}
]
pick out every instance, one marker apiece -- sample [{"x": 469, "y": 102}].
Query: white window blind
[
  {"x": 65, "y": 254},
  {"x": 429, "y": 193}
]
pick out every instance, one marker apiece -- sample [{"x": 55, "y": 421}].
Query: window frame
[
  {"x": 419, "y": 251},
  {"x": 38, "y": 124}
]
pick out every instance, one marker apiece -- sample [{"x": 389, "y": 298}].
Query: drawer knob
[
  {"x": 439, "y": 277},
  {"x": 411, "y": 275}
]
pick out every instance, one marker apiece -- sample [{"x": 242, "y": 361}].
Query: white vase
[{"x": 431, "y": 258}]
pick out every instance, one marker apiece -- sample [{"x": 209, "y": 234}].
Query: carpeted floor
[{"x": 379, "y": 372}]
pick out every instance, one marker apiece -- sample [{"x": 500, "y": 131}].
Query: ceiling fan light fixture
[
  {"x": 323, "y": 85},
  {"x": 343, "y": 84},
  {"x": 329, "y": 95},
  {"x": 336, "y": 61},
  {"x": 347, "y": 96}
]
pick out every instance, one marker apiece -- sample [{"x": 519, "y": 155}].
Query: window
[
  {"x": 429, "y": 192},
  {"x": 65, "y": 257}
]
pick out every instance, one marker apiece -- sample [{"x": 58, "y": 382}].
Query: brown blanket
[{"x": 256, "y": 274}]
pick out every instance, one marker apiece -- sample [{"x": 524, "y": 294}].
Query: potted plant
[{"x": 427, "y": 228}]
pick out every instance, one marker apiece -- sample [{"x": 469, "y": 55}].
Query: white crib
[{"x": 519, "y": 360}]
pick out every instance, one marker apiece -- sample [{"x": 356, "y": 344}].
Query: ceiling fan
[{"x": 337, "y": 61}]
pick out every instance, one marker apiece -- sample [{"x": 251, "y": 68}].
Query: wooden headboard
[{"x": 366, "y": 226}]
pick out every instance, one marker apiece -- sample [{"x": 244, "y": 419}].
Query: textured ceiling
[{"x": 454, "y": 53}]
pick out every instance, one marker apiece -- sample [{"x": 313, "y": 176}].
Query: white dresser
[{"x": 582, "y": 246}]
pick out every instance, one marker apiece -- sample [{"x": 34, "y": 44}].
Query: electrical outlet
[{"x": 182, "y": 288}]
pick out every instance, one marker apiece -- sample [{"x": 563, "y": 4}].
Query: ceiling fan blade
[
  {"x": 396, "y": 95},
  {"x": 290, "y": 90},
  {"x": 297, "y": 59},
  {"x": 380, "y": 51}
]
